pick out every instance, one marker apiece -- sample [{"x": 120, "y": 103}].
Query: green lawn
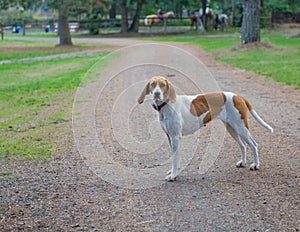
[
  {"x": 14, "y": 49},
  {"x": 278, "y": 56},
  {"x": 282, "y": 65},
  {"x": 36, "y": 102}
]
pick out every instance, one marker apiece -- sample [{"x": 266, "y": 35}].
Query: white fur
[{"x": 146, "y": 21}]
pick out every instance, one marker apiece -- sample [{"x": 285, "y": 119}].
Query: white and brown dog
[{"x": 181, "y": 115}]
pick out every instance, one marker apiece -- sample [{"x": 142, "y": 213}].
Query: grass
[
  {"x": 278, "y": 56},
  {"x": 282, "y": 65},
  {"x": 36, "y": 102},
  {"x": 18, "y": 49}
]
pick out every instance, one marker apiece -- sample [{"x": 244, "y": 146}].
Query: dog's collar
[{"x": 159, "y": 107}]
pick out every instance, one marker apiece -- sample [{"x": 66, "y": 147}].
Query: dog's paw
[
  {"x": 254, "y": 167},
  {"x": 170, "y": 178},
  {"x": 240, "y": 164},
  {"x": 170, "y": 171}
]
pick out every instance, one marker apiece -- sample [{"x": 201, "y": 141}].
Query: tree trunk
[
  {"x": 204, "y": 18},
  {"x": 112, "y": 11},
  {"x": 136, "y": 19},
  {"x": 124, "y": 23},
  {"x": 233, "y": 9},
  {"x": 63, "y": 24},
  {"x": 251, "y": 17}
]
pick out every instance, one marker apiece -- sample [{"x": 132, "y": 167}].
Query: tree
[
  {"x": 64, "y": 6},
  {"x": 124, "y": 22},
  {"x": 134, "y": 27},
  {"x": 135, "y": 22},
  {"x": 92, "y": 10},
  {"x": 63, "y": 22},
  {"x": 250, "y": 29},
  {"x": 112, "y": 10}
]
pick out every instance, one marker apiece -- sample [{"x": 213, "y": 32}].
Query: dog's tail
[{"x": 257, "y": 117}]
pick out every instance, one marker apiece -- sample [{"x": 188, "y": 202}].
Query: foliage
[
  {"x": 93, "y": 9},
  {"x": 282, "y": 5},
  {"x": 25, "y": 4}
]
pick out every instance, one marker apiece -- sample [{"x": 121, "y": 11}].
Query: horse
[
  {"x": 222, "y": 21},
  {"x": 194, "y": 20},
  {"x": 199, "y": 19},
  {"x": 208, "y": 20},
  {"x": 150, "y": 19}
]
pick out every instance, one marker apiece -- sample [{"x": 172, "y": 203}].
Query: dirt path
[{"x": 68, "y": 193}]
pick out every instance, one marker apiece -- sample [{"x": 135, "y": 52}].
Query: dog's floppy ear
[
  {"x": 171, "y": 92},
  {"x": 145, "y": 92}
]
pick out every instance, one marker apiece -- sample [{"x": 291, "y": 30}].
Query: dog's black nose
[{"x": 156, "y": 94}]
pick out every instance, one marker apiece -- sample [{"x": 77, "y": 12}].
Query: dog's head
[{"x": 160, "y": 88}]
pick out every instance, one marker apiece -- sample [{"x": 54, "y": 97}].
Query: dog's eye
[
  {"x": 153, "y": 84},
  {"x": 162, "y": 85}
]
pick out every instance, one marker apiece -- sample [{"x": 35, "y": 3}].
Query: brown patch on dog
[
  {"x": 212, "y": 102},
  {"x": 171, "y": 92},
  {"x": 199, "y": 106},
  {"x": 243, "y": 106},
  {"x": 143, "y": 94}
]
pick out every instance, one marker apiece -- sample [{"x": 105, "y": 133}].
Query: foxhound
[{"x": 181, "y": 115}]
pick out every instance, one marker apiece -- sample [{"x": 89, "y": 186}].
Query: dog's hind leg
[
  {"x": 246, "y": 137},
  {"x": 242, "y": 144},
  {"x": 253, "y": 145}
]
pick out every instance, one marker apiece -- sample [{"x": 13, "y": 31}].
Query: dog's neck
[{"x": 159, "y": 106}]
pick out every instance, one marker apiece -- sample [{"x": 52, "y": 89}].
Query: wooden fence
[
  {"x": 31, "y": 25},
  {"x": 285, "y": 17}
]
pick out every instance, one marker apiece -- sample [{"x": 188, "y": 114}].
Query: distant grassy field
[
  {"x": 278, "y": 56},
  {"x": 36, "y": 102},
  {"x": 18, "y": 49}
]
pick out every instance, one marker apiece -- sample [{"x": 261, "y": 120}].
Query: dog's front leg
[{"x": 174, "y": 144}]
